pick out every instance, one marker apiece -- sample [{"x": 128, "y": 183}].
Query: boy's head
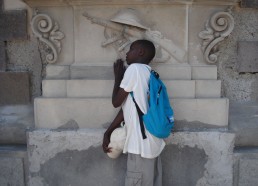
[{"x": 141, "y": 51}]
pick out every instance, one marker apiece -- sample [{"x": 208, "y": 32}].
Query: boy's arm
[
  {"x": 119, "y": 94},
  {"x": 115, "y": 124}
]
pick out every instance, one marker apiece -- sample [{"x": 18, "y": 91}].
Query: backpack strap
[{"x": 140, "y": 114}]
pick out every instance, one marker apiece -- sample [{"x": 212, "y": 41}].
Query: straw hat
[{"x": 129, "y": 17}]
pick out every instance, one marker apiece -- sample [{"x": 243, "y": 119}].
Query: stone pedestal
[{"x": 78, "y": 86}]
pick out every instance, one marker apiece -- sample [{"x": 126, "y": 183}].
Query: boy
[{"x": 143, "y": 163}]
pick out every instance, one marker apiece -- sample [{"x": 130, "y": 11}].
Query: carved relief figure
[{"x": 127, "y": 26}]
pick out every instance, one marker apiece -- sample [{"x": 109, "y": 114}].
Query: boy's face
[{"x": 133, "y": 54}]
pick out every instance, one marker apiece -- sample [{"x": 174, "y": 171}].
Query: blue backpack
[{"x": 159, "y": 119}]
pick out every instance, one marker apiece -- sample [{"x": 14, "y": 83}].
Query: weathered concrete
[
  {"x": 14, "y": 88},
  {"x": 2, "y": 56},
  {"x": 205, "y": 158},
  {"x": 245, "y": 167},
  {"x": 13, "y": 165},
  {"x": 249, "y": 4},
  {"x": 238, "y": 86},
  {"x": 25, "y": 56},
  {"x": 243, "y": 121},
  {"x": 14, "y": 122},
  {"x": 97, "y": 112},
  {"x": 247, "y": 56},
  {"x": 13, "y": 24}
]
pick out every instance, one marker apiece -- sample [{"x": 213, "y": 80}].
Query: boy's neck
[{"x": 141, "y": 62}]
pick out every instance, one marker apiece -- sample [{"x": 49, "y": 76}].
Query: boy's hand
[
  {"x": 105, "y": 143},
  {"x": 119, "y": 70}
]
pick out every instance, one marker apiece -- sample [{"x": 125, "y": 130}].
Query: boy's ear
[{"x": 141, "y": 52}]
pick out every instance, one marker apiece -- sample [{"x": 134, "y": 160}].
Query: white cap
[{"x": 117, "y": 141}]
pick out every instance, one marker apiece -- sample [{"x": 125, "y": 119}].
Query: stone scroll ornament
[
  {"x": 217, "y": 29},
  {"x": 47, "y": 31}
]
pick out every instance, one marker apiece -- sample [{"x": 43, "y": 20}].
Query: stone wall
[{"x": 239, "y": 86}]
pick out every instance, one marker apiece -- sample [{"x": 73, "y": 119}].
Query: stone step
[
  {"x": 104, "y": 88},
  {"x": 105, "y": 71},
  {"x": 99, "y": 112}
]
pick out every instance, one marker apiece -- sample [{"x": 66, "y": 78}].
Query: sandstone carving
[
  {"x": 126, "y": 26},
  {"x": 216, "y": 30},
  {"x": 47, "y": 31}
]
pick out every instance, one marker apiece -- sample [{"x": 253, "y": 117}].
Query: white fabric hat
[
  {"x": 130, "y": 17},
  {"x": 117, "y": 141}
]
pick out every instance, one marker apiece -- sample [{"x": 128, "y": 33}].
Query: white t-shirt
[{"x": 136, "y": 79}]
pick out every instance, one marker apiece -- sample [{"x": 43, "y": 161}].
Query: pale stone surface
[
  {"x": 36, "y": 3},
  {"x": 207, "y": 72},
  {"x": 64, "y": 17},
  {"x": 54, "y": 88},
  {"x": 93, "y": 34},
  {"x": 200, "y": 110},
  {"x": 98, "y": 112},
  {"x": 57, "y": 72},
  {"x": 94, "y": 71},
  {"x": 198, "y": 15},
  {"x": 92, "y": 113},
  {"x": 104, "y": 88},
  {"x": 207, "y": 88},
  {"x": 51, "y": 151},
  {"x": 173, "y": 72}
]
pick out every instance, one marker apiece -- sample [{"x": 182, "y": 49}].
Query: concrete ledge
[
  {"x": 207, "y": 157},
  {"x": 13, "y": 165},
  {"x": 99, "y": 112},
  {"x": 14, "y": 121},
  {"x": 245, "y": 166},
  {"x": 243, "y": 121}
]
